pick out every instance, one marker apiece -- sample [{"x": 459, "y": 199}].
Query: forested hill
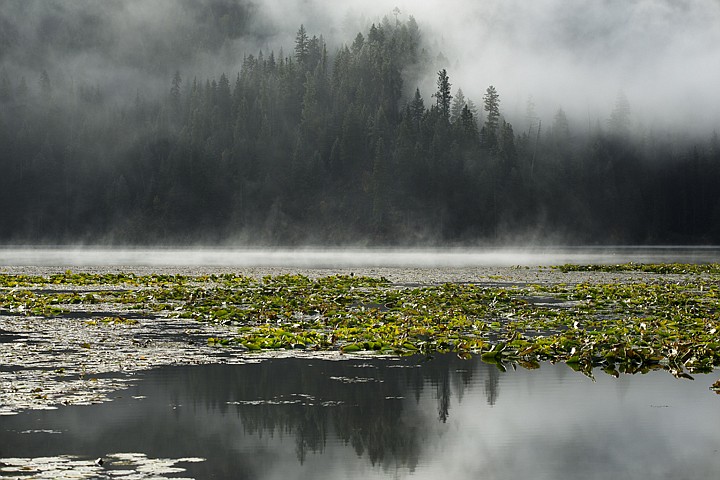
[{"x": 334, "y": 145}]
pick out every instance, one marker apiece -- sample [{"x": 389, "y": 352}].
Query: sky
[{"x": 578, "y": 55}]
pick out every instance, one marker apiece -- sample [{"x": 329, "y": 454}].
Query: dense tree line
[{"x": 320, "y": 146}]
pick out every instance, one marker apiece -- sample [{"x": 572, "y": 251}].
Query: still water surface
[{"x": 386, "y": 418}]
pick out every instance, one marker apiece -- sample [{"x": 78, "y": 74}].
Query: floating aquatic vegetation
[
  {"x": 716, "y": 387},
  {"x": 135, "y": 466},
  {"x": 356, "y": 379},
  {"x": 79, "y": 325},
  {"x": 660, "y": 268}
]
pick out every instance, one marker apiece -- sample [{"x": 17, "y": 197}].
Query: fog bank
[
  {"x": 322, "y": 258},
  {"x": 574, "y": 54}
]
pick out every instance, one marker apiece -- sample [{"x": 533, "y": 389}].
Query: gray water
[
  {"x": 351, "y": 257},
  {"x": 385, "y": 418}
]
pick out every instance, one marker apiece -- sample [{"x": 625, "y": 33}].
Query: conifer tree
[
  {"x": 443, "y": 96},
  {"x": 302, "y": 46},
  {"x": 491, "y": 101},
  {"x": 417, "y": 108},
  {"x": 175, "y": 92},
  {"x": 458, "y": 104}
]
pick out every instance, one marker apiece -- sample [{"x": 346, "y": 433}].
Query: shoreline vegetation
[{"x": 78, "y": 336}]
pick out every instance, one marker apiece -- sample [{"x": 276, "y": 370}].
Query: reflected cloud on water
[{"x": 404, "y": 418}]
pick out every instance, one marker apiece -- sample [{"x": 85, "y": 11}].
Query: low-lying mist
[{"x": 344, "y": 258}]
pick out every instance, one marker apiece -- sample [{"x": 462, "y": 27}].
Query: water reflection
[{"x": 405, "y": 418}]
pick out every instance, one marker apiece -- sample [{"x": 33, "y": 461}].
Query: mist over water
[{"x": 324, "y": 258}]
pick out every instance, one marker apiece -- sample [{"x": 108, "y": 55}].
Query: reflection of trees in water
[
  {"x": 443, "y": 395},
  {"x": 492, "y": 384},
  {"x": 241, "y": 417},
  {"x": 461, "y": 378},
  {"x": 363, "y": 402},
  {"x": 383, "y": 434},
  {"x": 311, "y": 433}
]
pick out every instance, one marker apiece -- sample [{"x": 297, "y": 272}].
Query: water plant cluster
[
  {"x": 127, "y": 465},
  {"x": 669, "y": 320}
]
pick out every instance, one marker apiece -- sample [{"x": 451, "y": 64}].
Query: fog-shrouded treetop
[
  {"x": 574, "y": 54},
  {"x": 292, "y": 122}
]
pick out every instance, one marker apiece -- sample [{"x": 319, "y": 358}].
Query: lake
[
  {"x": 411, "y": 418},
  {"x": 408, "y": 417}
]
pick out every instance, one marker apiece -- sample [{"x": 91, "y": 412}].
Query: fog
[
  {"x": 347, "y": 258},
  {"x": 577, "y": 55}
]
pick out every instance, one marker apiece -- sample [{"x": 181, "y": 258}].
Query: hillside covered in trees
[{"x": 326, "y": 144}]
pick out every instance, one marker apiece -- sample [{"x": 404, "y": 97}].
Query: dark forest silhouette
[{"x": 320, "y": 147}]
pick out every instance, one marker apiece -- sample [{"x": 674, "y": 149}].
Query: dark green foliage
[
  {"x": 666, "y": 320},
  {"x": 318, "y": 147},
  {"x": 491, "y": 101},
  {"x": 442, "y": 96}
]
